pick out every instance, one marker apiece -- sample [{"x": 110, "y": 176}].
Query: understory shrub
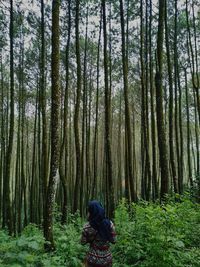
[
  {"x": 148, "y": 235},
  {"x": 152, "y": 235}
]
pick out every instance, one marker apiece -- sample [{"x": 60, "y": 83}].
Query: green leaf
[
  {"x": 179, "y": 244},
  {"x": 34, "y": 245}
]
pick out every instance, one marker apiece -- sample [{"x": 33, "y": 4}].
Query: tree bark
[
  {"x": 7, "y": 221},
  {"x": 109, "y": 174},
  {"x": 127, "y": 109},
  {"x": 64, "y": 147},
  {"x": 159, "y": 107},
  {"x": 153, "y": 123},
  {"x": 171, "y": 107},
  {"x": 76, "y": 114},
  {"x": 44, "y": 154},
  {"x": 55, "y": 108}
]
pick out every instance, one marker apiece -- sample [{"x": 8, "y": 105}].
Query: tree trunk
[
  {"x": 64, "y": 148},
  {"x": 76, "y": 114},
  {"x": 153, "y": 123},
  {"x": 127, "y": 109},
  {"x": 171, "y": 107},
  {"x": 109, "y": 176},
  {"x": 188, "y": 133},
  {"x": 55, "y": 108},
  {"x": 8, "y": 210},
  {"x": 159, "y": 107},
  {"x": 44, "y": 154},
  {"x": 96, "y": 141}
]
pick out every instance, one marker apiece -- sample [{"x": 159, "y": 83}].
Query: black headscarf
[{"x": 98, "y": 220}]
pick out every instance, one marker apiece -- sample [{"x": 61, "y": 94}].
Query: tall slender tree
[
  {"x": 188, "y": 132},
  {"x": 55, "y": 107},
  {"x": 96, "y": 140},
  {"x": 7, "y": 218},
  {"x": 108, "y": 155},
  {"x": 76, "y": 112},
  {"x": 64, "y": 147},
  {"x": 44, "y": 158},
  {"x": 153, "y": 119},
  {"x": 159, "y": 104},
  {"x": 171, "y": 106},
  {"x": 127, "y": 109}
]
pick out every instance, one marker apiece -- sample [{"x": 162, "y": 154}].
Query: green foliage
[
  {"x": 28, "y": 249},
  {"x": 148, "y": 235},
  {"x": 151, "y": 235},
  {"x": 23, "y": 250}
]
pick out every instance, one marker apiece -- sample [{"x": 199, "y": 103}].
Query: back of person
[{"x": 99, "y": 254}]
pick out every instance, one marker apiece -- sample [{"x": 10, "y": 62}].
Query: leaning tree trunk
[
  {"x": 159, "y": 104},
  {"x": 55, "y": 107}
]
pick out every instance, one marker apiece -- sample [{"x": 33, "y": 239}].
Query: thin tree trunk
[
  {"x": 153, "y": 124},
  {"x": 55, "y": 108},
  {"x": 76, "y": 114},
  {"x": 127, "y": 109},
  {"x": 64, "y": 148},
  {"x": 33, "y": 182},
  {"x": 84, "y": 120},
  {"x": 2, "y": 155},
  {"x": 109, "y": 176},
  {"x": 180, "y": 180},
  {"x": 188, "y": 132},
  {"x": 96, "y": 141},
  {"x": 44, "y": 154},
  {"x": 8, "y": 210},
  {"x": 171, "y": 107},
  {"x": 159, "y": 107}
]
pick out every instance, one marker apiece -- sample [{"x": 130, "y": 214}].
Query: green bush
[
  {"x": 152, "y": 235},
  {"x": 148, "y": 235},
  {"x": 23, "y": 250}
]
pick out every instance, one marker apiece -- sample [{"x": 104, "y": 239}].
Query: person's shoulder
[
  {"x": 111, "y": 223},
  {"x": 87, "y": 227}
]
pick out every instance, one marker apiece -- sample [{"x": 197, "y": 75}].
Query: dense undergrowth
[{"x": 148, "y": 235}]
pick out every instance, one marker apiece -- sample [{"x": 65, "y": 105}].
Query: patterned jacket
[{"x": 99, "y": 254}]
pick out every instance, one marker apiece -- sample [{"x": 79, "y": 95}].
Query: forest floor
[{"x": 148, "y": 235}]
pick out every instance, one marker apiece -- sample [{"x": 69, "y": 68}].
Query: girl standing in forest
[{"x": 99, "y": 232}]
